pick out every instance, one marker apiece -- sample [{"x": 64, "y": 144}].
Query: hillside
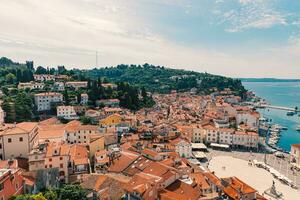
[{"x": 162, "y": 79}]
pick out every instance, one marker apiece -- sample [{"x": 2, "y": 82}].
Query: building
[
  {"x": 109, "y": 85},
  {"x": 69, "y": 159},
  {"x": 183, "y": 148},
  {"x": 84, "y": 98},
  {"x": 31, "y": 85},
  {"x": 111, "y": 120},
  {"x": 236, "y": 189},
  {"x": 44, "y": 100},
  {"x": 44, "y": 77},
  {"x": 249, "y": 118},
  {"x": 295, "y": 153},
  {"x": 59, "y": 86},
  {"x": 75, "y": 133},
  {"x": 2, "y": 116},
  {"x": 66, "y": 112},
  {"x": 111, "y": 103},
  {"x": 22, "y": 135},
  {"x": 11, "y": 180},
  {"x": 245, "y": 139},
  {"x": 76, "y": 84}
]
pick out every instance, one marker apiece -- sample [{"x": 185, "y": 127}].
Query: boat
[
  {"x": 290, "y": 113},
  {"x": 298, "y": 128}
]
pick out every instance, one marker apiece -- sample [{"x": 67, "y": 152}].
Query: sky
[{"x": 236, "y": 38}]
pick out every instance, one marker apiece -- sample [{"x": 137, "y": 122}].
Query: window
[
  {"x": 61, "y": 165},
  {"x": 21, "y": 139},
  {"x": 50, "y": 159},
  {"x": 60, "y": 158},
  {"x": 50, "y": 166},
  {"x": 0, "y": 146},
  {"x": 9, "y": 140},
  {"x": 45, "y": 166}
]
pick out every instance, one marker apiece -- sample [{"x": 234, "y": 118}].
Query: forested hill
[{"x": 162, "y": 79}]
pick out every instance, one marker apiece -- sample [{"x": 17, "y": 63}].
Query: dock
[{"x": 278, "y": 107}]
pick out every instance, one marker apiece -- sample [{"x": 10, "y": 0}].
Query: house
[
  {"x": 31, "y": 85},
  {"x": 44, "y": 77},
  {"x": 76, "y": 84},
  {"x": 109, "y": 85},
  {"x": 236, "y": 189},
  {"x": 110, "y": 103},
  {"x": 101, "y": 161},
  {"x": 22, "y": 135},
  {"x": 11, "y": 179},
  {"x": 84, "y": 98},
  {"x": 96, "y": 143},
  {"x": 69, "y": 159},
  {"x": 152, "y": 154},
  {"x": 110, "y": 111},
  {"x": 245, "y": 139},
  {"x": 2, "y": 115},
  {"x": 66, "y": 112},
  {"x": 76, "y": 133},
  {"x": 43, "y": 101},
  {"x": 295, "y": 153},
  {"x": 182, "y": 147},
  {"x": 59, "y": 86},
  {"x": 111, "y": 120},
  {"x": 250, "y": 118}
]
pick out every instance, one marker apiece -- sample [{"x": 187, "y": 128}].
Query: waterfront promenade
[{"x": 277, "y": 107}]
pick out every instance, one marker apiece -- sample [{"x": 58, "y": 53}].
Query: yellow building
[
  {"x": 111, "y": 120},
  {"x": 96, "y": 144}
]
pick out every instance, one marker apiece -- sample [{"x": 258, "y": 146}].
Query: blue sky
[{"x": 238, "y": 38}]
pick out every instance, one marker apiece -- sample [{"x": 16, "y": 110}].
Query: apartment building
[
  {"x": 245, "y": 139},
  {"x": 44, "y": 100},
  {"x": 44, "y": 77},
  {"x": 249, "y": 118},
  {"x": 31, "y": 85},
  {"x": 66, "y": 112}
]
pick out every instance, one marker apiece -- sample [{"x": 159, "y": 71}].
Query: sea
[{"x": 285, "y": 94}]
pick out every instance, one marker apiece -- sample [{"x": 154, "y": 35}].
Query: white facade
[
  {"x": 43, "y": 100},
  {"x": 198, "y": 135},
  {"x": 248, "y": 118},
  {"x": 84, "y": 98},
  {"x": 249, "y": 140},
  {"x": 59, "y": 86},
  {"x": 44, "y": 77},
  {"x": 77, "y": 84},
  {"x": 184, "y": 149},
  {"x": 66, "y": 112}
]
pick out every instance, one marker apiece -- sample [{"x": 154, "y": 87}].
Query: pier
[{"x": 278, "y": 107}]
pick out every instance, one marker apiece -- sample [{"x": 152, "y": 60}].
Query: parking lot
[{"x": 280, "y": 164}]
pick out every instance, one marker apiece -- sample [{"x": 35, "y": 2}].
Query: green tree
[
  {"x": 72, "y": 192},
  {"x": 66, "y": 97},
  {"x": 10, "y": 78}
]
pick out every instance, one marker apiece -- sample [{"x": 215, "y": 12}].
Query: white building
[
  {"x": 66, "y": 112},
  {"x": 226, "y": 136},
  {"x": 245, "y": 139},
  {"x": 183, "y": 148},
  {"x": 44, "y": 77},
  {"x": 295, "y": 153},
  {"x": 84, "y": 98},
  {"x": 31, "y": 85},
  {"x": 248, "y": 118},
  {"x": 43, "y": 100},
  {"x": 59, "y": 86}
]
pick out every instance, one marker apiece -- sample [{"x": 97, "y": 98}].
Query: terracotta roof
[
  {"x": 296, "y": 145},
  {"x": 237, "y": 188},
  {"x": 199, "y": 178},
  {"x": 184, "y": 191},
  {"x": 123, "y": 161}
]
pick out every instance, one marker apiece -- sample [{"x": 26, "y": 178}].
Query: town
[{"x": 112, "y": 148}]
